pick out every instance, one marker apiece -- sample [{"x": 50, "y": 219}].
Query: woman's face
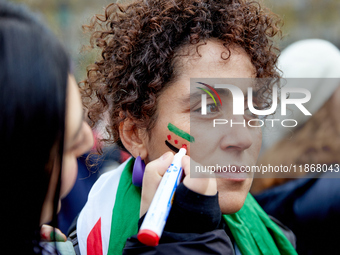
[
  {"x": 235, "y": 146},
  {"x": 78, "y": 140},
  {"x": 78, "y": 137}
]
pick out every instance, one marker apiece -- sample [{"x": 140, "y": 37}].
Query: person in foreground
[
  {"x": 42, "y": 133},
  {"x": 141, "y": 83}
]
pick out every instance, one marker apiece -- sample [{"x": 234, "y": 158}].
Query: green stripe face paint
[{"x": 172, "y": 128}]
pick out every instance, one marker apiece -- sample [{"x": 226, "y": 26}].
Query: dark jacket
[
  {"x": 310, "y": 207},
  {"x": 194, "y": 226}
]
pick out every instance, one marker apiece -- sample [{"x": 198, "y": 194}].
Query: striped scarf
[{"x": 254, "y": 232}]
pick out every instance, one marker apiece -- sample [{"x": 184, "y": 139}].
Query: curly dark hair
[{"x": 140, "y": 41}]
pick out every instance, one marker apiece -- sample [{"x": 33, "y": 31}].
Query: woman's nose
[{"x": 238, "y": 135}]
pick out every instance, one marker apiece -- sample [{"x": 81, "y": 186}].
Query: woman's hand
[
  {"x": 205, "y": 186},
  {"x": 155, "y": 170},
  {"x": 153, "y": 174},
  {"x": 47, "y": 234}
]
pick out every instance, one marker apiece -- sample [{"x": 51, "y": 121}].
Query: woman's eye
[{"x": 211, "y": 109}]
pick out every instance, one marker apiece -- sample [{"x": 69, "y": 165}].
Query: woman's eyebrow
[
  {"x": 192, "y": 96},
  {"x": 190, "y": 99}
]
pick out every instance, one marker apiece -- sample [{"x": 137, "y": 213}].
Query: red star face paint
[{"x": 177, "y": 132}]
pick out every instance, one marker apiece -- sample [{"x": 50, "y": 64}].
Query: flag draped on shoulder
[
  {"x": 111, "y": 215},
  {"x": 94, "y": 221}
]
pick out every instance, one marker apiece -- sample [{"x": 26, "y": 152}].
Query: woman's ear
[{"x": 133, "y": 138}]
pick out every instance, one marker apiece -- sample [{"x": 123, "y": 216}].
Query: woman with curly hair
[{"x": 141, "y": 86}]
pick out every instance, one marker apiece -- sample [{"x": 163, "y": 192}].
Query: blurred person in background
[
  {"x": 42, "y": 132},
  {"x": 309, "y": 206}
]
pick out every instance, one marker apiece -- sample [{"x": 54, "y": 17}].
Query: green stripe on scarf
[
  {"x": 254, "y": 232},
  {"x": 125, "y": 214},
  {"x": 250, "y": 226}
]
